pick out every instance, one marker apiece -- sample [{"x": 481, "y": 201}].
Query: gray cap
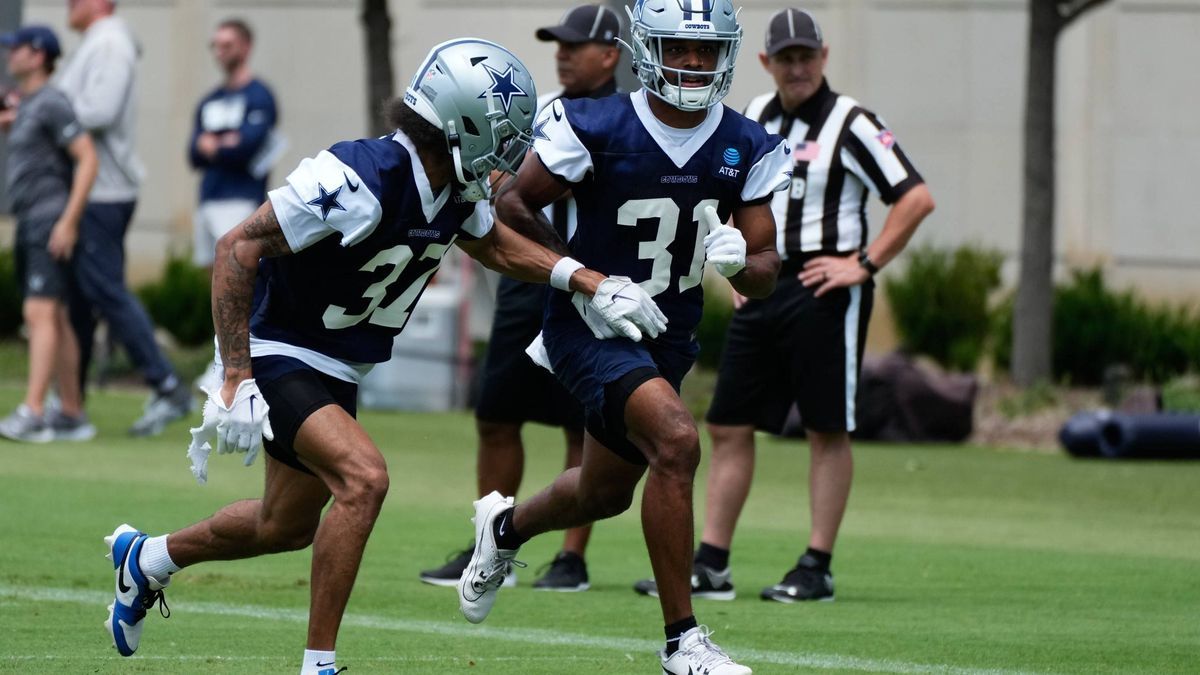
[
  {"x": 585, "y": 23},
  {"x": 792, "y": 28}
]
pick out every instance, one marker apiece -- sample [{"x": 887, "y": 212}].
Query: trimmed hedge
[
  {"x": 181, "y": 302},
  {"x": 940, "y": 303},
  {"x": 1095, "y": 327}
]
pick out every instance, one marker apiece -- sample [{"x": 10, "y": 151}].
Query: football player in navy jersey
[
  {"x": 655, "y": 175},
  {"x": 311, "y": 290}
]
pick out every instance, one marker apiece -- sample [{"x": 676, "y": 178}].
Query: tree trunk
[
  {"x": 1033, "y": 313},
  {"x": 377, "y": 27}
]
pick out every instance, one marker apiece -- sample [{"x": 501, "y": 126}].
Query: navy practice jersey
[
  {"x": 642, "y": 186},
  {"x": 346, "y": 297}
]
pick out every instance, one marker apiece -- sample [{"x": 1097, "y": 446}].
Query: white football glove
[
  {"x": 592, "y": 318},
  {"x": 724, "y": 247},
  {"x": 240, "y": 426},
  {"x": 199, "y": 449},
  {"x": 626, "y": 309},
  {"x": 538, "y": 354}
]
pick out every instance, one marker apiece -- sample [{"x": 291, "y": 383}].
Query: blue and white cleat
[{"x": 135, "y": 592}]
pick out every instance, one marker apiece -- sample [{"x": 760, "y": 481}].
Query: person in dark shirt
[{"x": 233, "y": 143}]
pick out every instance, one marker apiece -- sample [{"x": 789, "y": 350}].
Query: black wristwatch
[{"x": 866, "y": 263}]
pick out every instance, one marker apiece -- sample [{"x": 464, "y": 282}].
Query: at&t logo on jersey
[{"x": 732, "y": 158}]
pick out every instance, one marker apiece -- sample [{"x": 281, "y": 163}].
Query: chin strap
[{"x": 471, "y": 189}]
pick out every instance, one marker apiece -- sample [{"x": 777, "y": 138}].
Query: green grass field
[{"x": 952, "y": 560}]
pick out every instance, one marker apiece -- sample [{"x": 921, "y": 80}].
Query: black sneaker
[
  {"x": 456, "y": 562},
  {"x": 707, "y": 583},
  {"x": 802, "y": 582},
  {"x": 567, "y": 573}
]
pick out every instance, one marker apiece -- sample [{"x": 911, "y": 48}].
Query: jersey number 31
[{"x": 666, "y": 212}]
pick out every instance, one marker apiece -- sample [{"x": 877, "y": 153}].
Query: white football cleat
[
  {"x": 489, "y": 565},
  {"x": 697, "y": 654}
]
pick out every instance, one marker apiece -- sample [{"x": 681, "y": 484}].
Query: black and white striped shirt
[{"x": 841, "y": 153}]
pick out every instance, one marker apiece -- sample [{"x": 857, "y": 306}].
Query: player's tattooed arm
[{"x": 235, "y": 268}]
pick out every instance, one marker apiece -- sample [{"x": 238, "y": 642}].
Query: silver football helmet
[
  {"x": 652, "y": 21},
  {"x": 482, "y": 97}
]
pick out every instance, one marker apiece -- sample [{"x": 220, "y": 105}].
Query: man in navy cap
[{"x": 51, "y": 166}]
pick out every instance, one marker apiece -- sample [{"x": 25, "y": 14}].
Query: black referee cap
[
  {"x": 792, "y": 28},
  {"x": 585, "y": 23}
]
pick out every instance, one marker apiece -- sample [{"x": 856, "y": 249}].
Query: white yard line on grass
[{"x": 527, "y": 635}]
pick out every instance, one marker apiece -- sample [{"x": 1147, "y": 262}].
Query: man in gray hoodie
[{"x": 100, "y": 80}]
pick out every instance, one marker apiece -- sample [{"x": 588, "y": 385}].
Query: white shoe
[
  {"x": 698, "y": 655},
  {"x": 489, "y": 565}
]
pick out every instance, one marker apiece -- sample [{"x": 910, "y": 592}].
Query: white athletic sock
[
  {"x": 154, "y": 560},
  {"x": 318, "y": 663}
]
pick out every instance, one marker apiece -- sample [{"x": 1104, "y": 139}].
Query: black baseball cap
[
  {"x": 40, "y": 38},
  {"x": 792, "y": 28},
  {"x": 585, "y": 23}
]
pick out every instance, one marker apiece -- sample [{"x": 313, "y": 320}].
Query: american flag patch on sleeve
[{"x": 806, "y": 151}]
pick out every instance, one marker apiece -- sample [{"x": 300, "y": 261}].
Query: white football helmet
[
  {"x": 652, "y": 21},
  {"x": 483, "y": 98}
]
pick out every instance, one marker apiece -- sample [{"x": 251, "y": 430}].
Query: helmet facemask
[{"x": 509, "y": 145}]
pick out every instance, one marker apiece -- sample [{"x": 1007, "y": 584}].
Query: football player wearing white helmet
[
  {"x": 656, "y": 174},
  {"x": 310, "y": 291},
  {"x": 658, "y": 25}
]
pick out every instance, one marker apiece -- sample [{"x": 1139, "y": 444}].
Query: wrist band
[
  {"x": 866, "y": 263},
  {"x": 560, "y": 276}
]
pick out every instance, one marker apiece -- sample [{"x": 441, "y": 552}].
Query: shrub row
[{"x": 940, "y": 303}]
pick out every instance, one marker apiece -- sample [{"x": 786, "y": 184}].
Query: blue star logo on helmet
[
  {"x": 327, "y": 201},
  {"x": 732, "y": 156},
  {"x": 503, "y": 87}
]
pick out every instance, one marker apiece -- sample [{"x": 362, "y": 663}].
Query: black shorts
[
  {"x": 793, "y": 347},
  {"x": 608, "y": 424},
  {"x": 39, "y": 274},
  {"x": 295, "y": 390},
  {"x": 514, "y": 389}
]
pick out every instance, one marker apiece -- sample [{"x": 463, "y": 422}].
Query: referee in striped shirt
[{"x": 804, "y": 343}]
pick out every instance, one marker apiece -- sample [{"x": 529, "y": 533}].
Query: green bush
[
  {"x": 10, "y": 295},
  {"x": 1095, "y": 327},
  {"x": 181, "y": 302},
  {"x": 940, "y": 303}
]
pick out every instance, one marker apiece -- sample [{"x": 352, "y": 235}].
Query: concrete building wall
[{"x": 947, "y": 75}]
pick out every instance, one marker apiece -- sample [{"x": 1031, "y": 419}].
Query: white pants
[{"x": 212, "y": 220}]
